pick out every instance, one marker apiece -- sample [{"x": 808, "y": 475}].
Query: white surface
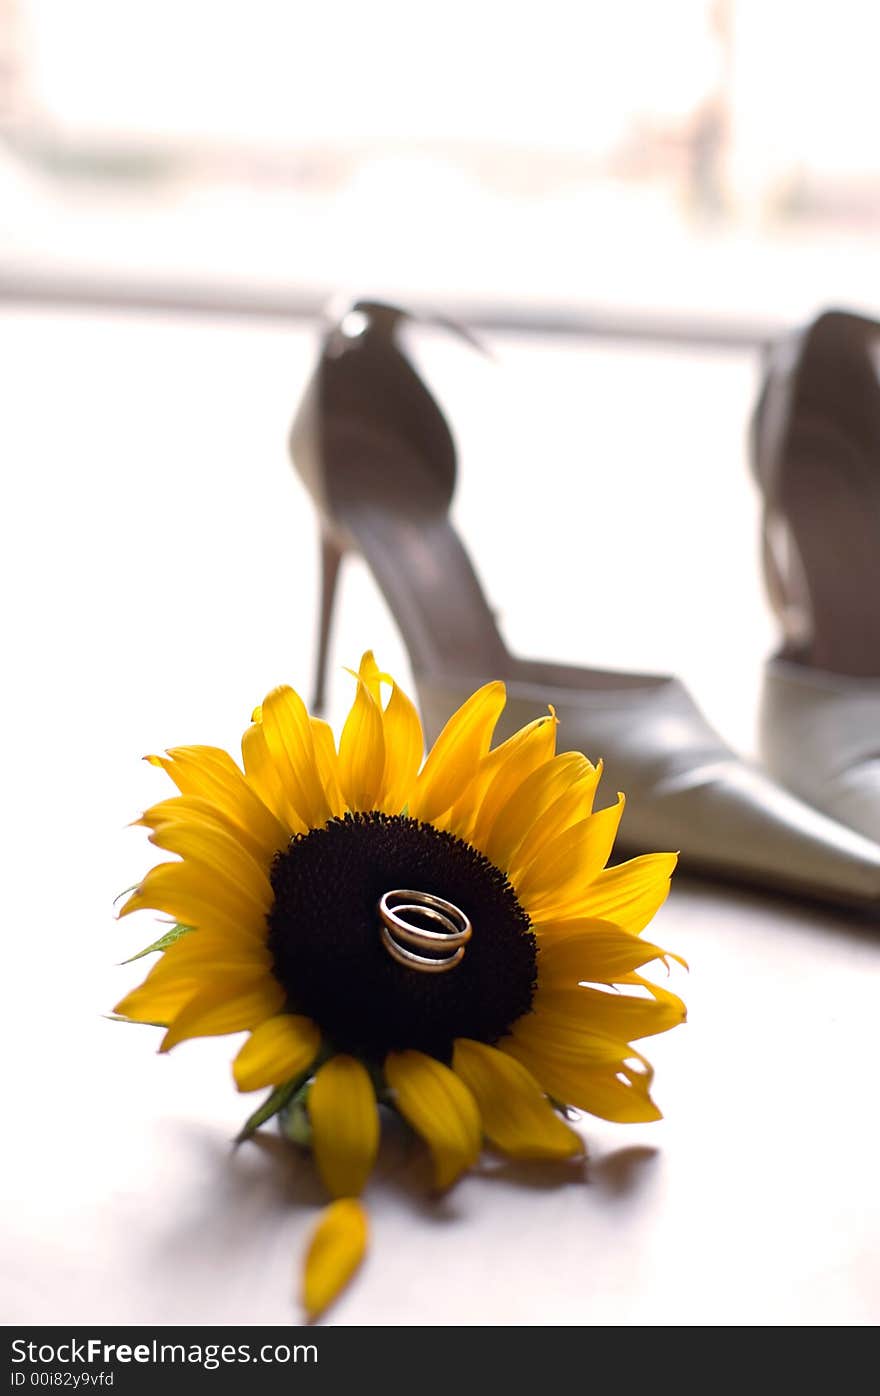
[{"x": 159, "y": 575}]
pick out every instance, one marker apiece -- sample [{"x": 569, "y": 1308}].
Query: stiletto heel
[
  {"x": 331, "y": 558},
  {"x": 377, "y": 456},
  {"x": 816, "y": 457}
]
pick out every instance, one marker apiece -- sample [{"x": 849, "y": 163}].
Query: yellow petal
[
  {"x": 614, "y": 1014},
  {"x": 546, "y": 1032},
  {"x": 336, "y": 1249},
  {"x": 404, "y": 749},
  {"x": 512, "y": 762},
  {"x": 213, "y": 847},
  {"x": 457, "y": 752},
  {"x": 288, "y": 734},
  {"x": 226, "y": 1007},
  {"x": 440, "y": 1108},
  {"x": 461, "y": 818},
  {"x": 168, "y": 988},
  {"x": 201, "y": 954},
  {"x": 537, "y": 794},
  {"x": 618, "y": 1091},
  {"x": 279, "y": 1049},
  {"x": 568, "y": 864},
  {"x": 631, "y": 893},
  {"x": 157, "y": 1002},
  {"x": 328, "y": 763},
  {"x": 663, "y": 996},
  {"x": 573, "y": 951},
  {"x": 264, "y": 776},
  {"x": 402, "y": 734},
  {"x": 371, "y": 676},
  {"x": 345, "y": 1121},
  {"x": 195, "y": 811},
  {"x": 211, "y": 773},
  {"x": 515, "y": 1113},
  {"x": 362, "y": 752},
  {"x": 196, "y": 896},
  {"x": 574, "y": 806}
]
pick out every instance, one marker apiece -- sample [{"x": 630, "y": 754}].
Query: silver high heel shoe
[
  {"x": 374, "y": 450},
  {"x": 816, "y": 456}
]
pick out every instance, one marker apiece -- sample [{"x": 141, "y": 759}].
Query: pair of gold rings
[{"x": 404, "y": 912}]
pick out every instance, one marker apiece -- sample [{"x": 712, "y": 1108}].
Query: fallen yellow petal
[{"x": 335, "y": 1251}]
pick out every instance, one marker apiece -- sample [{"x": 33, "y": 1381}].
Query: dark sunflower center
[{"x": 324, "y": 935}]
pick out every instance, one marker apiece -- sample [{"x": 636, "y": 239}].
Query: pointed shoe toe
[
  {"x": 737, "y": 822},
  {"x": 687, "y": 791},
  {"x": 820, "y": 736}
]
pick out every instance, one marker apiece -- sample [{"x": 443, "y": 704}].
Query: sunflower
[{"x": 441, "y": 936}]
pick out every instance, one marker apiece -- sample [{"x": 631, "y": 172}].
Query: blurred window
[{"x": 712, "y": 155}]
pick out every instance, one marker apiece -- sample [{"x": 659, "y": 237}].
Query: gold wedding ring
[{"x": 404, "y": 912}]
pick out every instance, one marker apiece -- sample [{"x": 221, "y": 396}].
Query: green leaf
[
  {"x": 163, "y": 942},
  {"x": 274, "y": 1102},
  {"x": 120, "y": 1018},
  {"x": 293, "y": 1118},
  {"x": 125, "y": 892}
]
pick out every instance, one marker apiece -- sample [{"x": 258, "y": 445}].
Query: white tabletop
[{"x": 160, "y": 576}]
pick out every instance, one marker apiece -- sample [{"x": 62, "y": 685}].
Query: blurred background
[{"x": 711, "y": 161}]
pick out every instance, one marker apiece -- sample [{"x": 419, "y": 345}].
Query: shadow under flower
[
  {"x": 246, "y": 1195},
  {"x": 235, "y": 1193},
  {"x": 625, "y": 1171},
  {"x": 620, "y": 1173}
]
